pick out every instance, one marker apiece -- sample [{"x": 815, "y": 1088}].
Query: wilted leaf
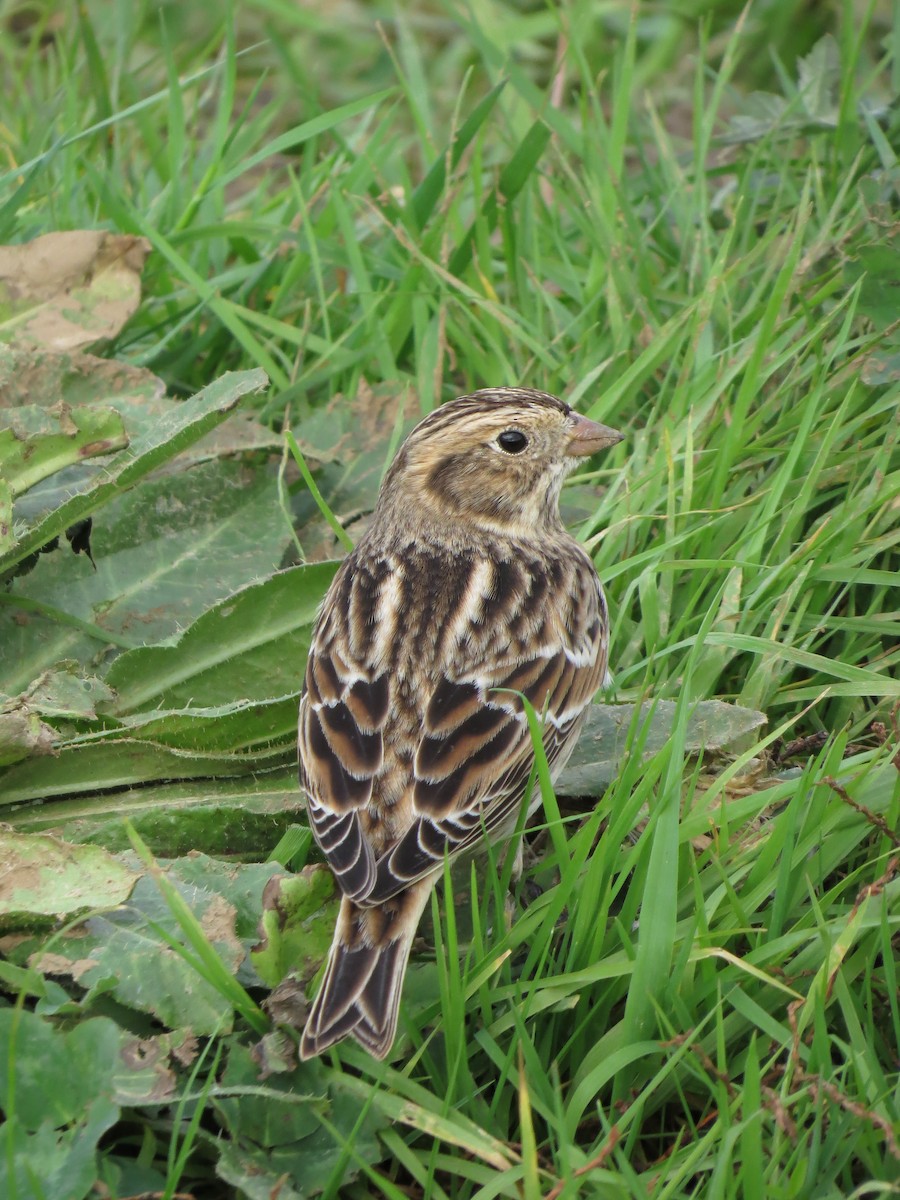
[
  {"x": 128, "y": 953},
  {"x": 62, "y": 291},
  {"x": 22, "y": 732},
  {"x": 44, "y": 878},
  {"x": 275, "y": 1053},
  {"x": 882, "y": 366},
  {"x": 712, "y": 726},
  {"x": 34, "y": 381},
  {"x": 66, "y": 692},
  {"x": 143, "y": 1074},
  {"x": 296, "y": 925}
]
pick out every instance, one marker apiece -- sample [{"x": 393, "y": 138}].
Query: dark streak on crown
[{"x": 462, "y": 406}]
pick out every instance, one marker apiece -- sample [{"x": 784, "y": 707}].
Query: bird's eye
[{"x": 512, "y": 441}]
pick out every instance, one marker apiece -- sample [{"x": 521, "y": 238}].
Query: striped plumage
[{"x": 465, "y": 589}]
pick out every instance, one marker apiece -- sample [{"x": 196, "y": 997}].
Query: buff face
[
  {"x": 500, "y": 466},
  {"x": 465, "y": 590}
]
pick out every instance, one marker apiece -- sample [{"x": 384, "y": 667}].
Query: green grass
[{"x": 587, "y": 199}]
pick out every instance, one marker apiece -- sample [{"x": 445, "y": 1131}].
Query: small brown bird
[{"x": 465, "y": 588}]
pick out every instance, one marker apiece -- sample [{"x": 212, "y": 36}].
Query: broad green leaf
[
  {"x": 57, "y": 1093},
  {"x": 88, "y": 768},
  {"x": 761, "y": 114},
  {"x": 43, "y": 879},
  {"x": 61, "y": 1090},
  {"x": 124, "y": 956},
  {"x": 7, "y": 536},
  {"x": 252, "y": 645},
  {"x": 163, "y": 553},
  {"x": 39, "y": 392},
  {"x": 34, "y": 387},
  {"x": 48, "y": 1075},
  {"x": 289, "y": 1135},
  {"x": 239, "y": 727},
  {"x": 57, "y": 1163},
  {"x": 174, "y": 432},
  {"x": 84, "y": 433},
  {"x": 296, "y": 925},
  {"x": 272, "y": 1120},
  {"x": 63, "y": 693},
  {"x": 241, "y": 885},
  {"x": 131, "y": 953},
  {"x": 243, "y": 816},
  {"x": 878, "y": 264},
  {"x": 712, "y": 725}
]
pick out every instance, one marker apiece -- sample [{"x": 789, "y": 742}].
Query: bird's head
[{"x": 495, "y": 459}]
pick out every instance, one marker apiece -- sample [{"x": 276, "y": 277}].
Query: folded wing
[{"x": 466, "y": 751}]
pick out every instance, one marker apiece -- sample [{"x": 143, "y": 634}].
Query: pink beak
[{"x": 587, "y": 437}]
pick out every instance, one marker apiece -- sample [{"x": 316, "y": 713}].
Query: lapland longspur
[{"x": 465, "y": 589}]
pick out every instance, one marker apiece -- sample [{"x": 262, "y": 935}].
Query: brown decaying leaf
[
  {"x": 30, "y": 376},
  {"x": 22, "y": 732},
  {"x": 69, "y": 290}
]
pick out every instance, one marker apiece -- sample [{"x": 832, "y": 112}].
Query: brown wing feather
[
  {"x": 469, "y": 776},
  {"x": 343, "y": 710},
  {"x": 407, "y": 760}
]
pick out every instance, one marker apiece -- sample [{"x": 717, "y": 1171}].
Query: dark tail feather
[{"x": 360, "y": 992}]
